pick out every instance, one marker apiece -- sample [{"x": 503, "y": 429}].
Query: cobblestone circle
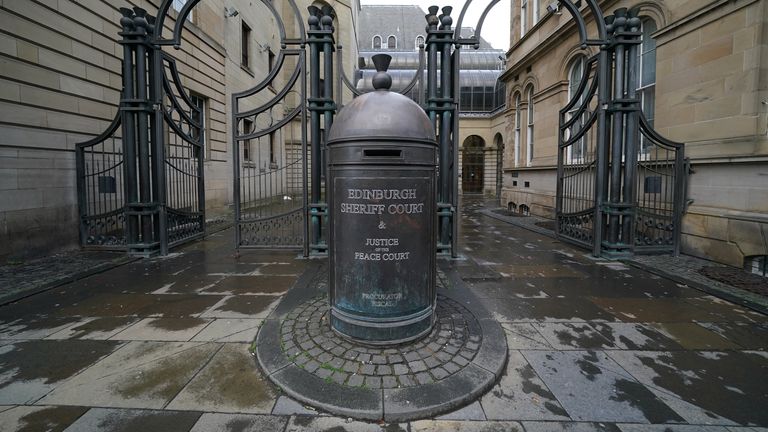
[{"x": 308, "y": 341}]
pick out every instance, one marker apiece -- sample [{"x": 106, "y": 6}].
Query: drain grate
[{"x": 737, "y": 278}]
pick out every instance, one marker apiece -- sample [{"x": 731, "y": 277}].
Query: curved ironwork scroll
[
  {"x": 101, "y": 200},
  {"x": 269, "y": 153}
]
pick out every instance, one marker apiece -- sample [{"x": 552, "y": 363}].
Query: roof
[{"x": 404, "y": 22}]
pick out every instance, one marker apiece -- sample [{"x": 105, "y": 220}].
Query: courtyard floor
[{"x": 165, "y": 344}]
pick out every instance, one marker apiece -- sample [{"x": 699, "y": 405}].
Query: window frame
[
  {"x": 646, "y": 91},
  {"x": 523, "y": 17},
  {"x": 417, "y": 43},
  {"x": 373, "y": 42},
  {"x": 203, "y": 106},
  {"x": 530, "y": 126},
  {"x": 390, "y": 37},
  {"x": 581, "y": 61},
  {"x": 518, "y": 130},
  {"x": 245, "y": 45}
]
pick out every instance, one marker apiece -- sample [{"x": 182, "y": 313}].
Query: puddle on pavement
[
  {"x": 253, "y": 285},
  {"x": 55, "y": 418},
  {"x": 176, "y": 324},
  {"x": 103, "y": 326},
  {"x": 247, "y": 305},
  {"x": 580, "y": 336},
  {"x": 730, "y": 384},
  {"x": 51, "y": 361},
  {"x": 530, "y": 384},
  {"x": 694, "y": 336},
  {"x": 642, "y": 399}
]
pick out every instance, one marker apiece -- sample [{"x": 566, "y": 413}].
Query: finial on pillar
[{"x": 382, "y": 80}]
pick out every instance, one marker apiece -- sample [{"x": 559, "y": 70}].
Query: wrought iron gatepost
[
  {"x": 624, "y": 193},
  {"x": 322, "y": 108},
  {"x": 142, "y": 207}
]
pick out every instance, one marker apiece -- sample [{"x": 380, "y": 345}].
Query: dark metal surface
[
  {"x": 614, "y": 195},
  {"x": 143, "y": 189},
  {"x": 270, "y": 144},
  {"x": 381, "y": 159}
]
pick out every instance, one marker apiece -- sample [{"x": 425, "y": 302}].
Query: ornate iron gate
[
  {"x": 620, "y": 185},
  {"x": 577, "y": 161},
  {"x": 270, "y": 147},
  {"x": 142, "y": 188},
  {"x": 659, "y": 192},
  {"x": 183, "y": 158},
  {"x": 101, "y": 196}
]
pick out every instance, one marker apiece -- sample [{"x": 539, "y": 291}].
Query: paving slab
[
  {"x": 465, "y": 426},
  {"x": 694, "y": 337},
  {"x": 521, "y": 395},
  {"x": 730, "y": 385},
  {"x": 125, "y": 420},
  {"x": 747, "y": 335},
  {"x": 38, "y": 327},
  {"x": 592, "y": 387},
  {"x": 336, "y": 424},
  {"x": 230, "y": 330},
  {"x": 95, "y": 328},
  {"x": 635, "y": 336},
  {"x": 260, "y": 284},
  {"x": 39, "y": 418},
  {"x": 31, "y": 369},
  {"x": 524, "y": 336},
  {"x": 546, "y": 310},
  {"x": 139, "y": 375},
  {"x": 163, "y": 329},
  {"x": 671, "y": 428},
  {"x": 215, "y": 422},
  {"x": 287, "y": 406},
  {"x": 568, "y": 336},
  {"x": 243, "y": 306},
  {"x": 229, "y": 382},
  {"x": 539, "y": 426},
  {"x": 473, "y": 411}
]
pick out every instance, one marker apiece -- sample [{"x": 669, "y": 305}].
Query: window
[
  {"x": 391, "y": 42},
  {"x": 523, "y": 17},
  {"x": 247, "y": 128},
  {"x": 518, "y": 119},
  {"x": 377, "y": 42},
  {"x": 199, "y": 116},
  {"x": 646, "y": 86},
  {"x": 177, "y": 5},
  {"x": 245, "y": 46},
  {"x": 419, "y": 41},
  {"x": 529, "y": 135},
  {"x": 535, "y": 11},
  {"x": 576, "y": 151}
]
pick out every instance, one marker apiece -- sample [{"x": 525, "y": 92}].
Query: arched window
[
  {"x": 391, "y": 42},
  {"x": 575, "y": 73},
  {"x": 419, "y": 41},
  {"x": 377, "y": 42},
  {"x": 518, "y": 119},
  {"x": 646, "y": 86},
  {"x": 529, "y": 134}
]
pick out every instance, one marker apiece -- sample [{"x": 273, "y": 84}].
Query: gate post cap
[{"x": 382, "y": 80}]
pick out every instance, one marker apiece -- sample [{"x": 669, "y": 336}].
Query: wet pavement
[{"x": 165, "y": 344}]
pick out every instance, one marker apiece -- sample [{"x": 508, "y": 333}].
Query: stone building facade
[
  {"x": 704, "y": 82},
  {"x": 60, "y": 84}
]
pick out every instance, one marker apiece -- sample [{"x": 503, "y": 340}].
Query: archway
[{"x": 472, "y": 165}]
